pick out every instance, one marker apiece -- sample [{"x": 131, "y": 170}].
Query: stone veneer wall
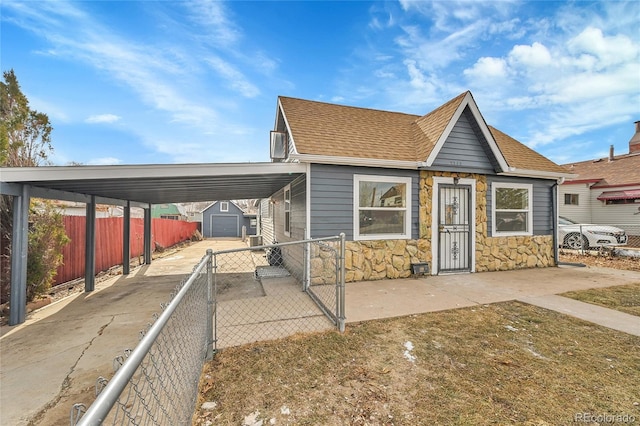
[
  {"x": 506, "y": 253},
  {"x": 375, "y": 260}
]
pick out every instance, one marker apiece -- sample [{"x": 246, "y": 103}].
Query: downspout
[
  {"x": 554, "y": 213},
  {"x": 554, "y": 210}
]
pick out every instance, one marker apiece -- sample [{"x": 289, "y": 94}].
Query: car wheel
[{"x": 576, "y": 241}]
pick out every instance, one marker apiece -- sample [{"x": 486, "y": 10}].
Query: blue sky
[{"x": 133, "y": 82}]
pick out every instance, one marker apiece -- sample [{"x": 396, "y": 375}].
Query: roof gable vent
[{"x": 278, "y": 145}]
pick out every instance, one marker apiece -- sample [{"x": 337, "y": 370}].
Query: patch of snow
[
  {"x": 252, "y": 419},
  {"x": 510, "y": 328},
  {"x": 537, "y": 355},
  {"x": 209, "y": 405},
  {"x": 272, "y": 421},
  {"x": 626, "y": 253},
  {"x": 284, "y": 410},
  {"x": 172, "y": 258},
  {"x": 407, "y": 353}
]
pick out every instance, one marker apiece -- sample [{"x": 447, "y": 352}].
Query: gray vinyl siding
[
  {"x": 543, "y": 220},
  {"x": 466, "y": 149},
  {"x": 332, "y": 198},
  {"x": 298, "y": 212},
  {"x": 266, "y": 221}
]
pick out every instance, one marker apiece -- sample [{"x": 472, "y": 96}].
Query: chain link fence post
[
  {"x": 341, "y": 285},
  {"x": 211, "y": 308}
]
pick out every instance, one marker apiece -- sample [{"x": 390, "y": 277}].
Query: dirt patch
[
  {"x": 507, "y": 363},
  {"x": 602, "y": 260}
]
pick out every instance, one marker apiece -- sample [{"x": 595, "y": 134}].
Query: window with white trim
[
  {"x": 382, "y": 207},
  {"x": 253, "y": 223},
  {"x": 287, "y": 210},
  {"x": 224, "y": 206},
  {"x": 571, "y": 199},
  {"x": 512, "y": 207}
]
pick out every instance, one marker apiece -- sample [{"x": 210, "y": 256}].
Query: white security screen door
[{"x": 454, "y": 228}]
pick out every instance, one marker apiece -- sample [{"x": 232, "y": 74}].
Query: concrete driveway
[{"x": 52, "y": 360}]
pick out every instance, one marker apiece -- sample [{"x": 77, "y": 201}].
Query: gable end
[{"x": 466, "y": 148}]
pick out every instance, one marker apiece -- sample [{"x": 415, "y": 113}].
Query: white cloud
[
  {"x": 430, "y": 53},
  {"x": 236, "y": 79},
  {"x": 148, "y": 70},
  {"x": 211, "y": 15},
  {"x": 488, "y": 68},
  {"x": 104, "y": 161},
  {"x": 102, "y": 118},
  {"x": 609, "y": 51},
  {"x": 418, "y": 80},
  {"x": 534, "y": 56}
]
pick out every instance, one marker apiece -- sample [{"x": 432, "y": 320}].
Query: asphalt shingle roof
[
  {"x": 623, "y": 170},
  {"x": 319, "y": 128}
]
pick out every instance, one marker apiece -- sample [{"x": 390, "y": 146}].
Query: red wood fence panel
[{"x": 165, "y": 232}]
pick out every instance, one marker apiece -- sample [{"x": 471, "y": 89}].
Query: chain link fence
[
  {"x": 270, "y": 292},
  {"x": 157, "y": 382},
  {"x": 232, "y": 297},
  {"x": 617, "y": 238}
]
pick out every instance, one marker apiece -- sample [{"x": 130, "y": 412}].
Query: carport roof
[{"x": 157, "y": 184}]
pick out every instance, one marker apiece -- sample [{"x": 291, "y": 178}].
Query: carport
[{"x": 126, "y": 186}]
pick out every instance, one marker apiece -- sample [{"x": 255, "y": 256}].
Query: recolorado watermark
[{"x": 603, "y": 418}]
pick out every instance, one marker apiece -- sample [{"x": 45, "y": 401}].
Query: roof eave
[
  {"x": 579, "y": 181},
  {"x": 292, "y": 148},
  {"x": 354, "y": 161},
  {"x": 540, "y": 174},
  {"x": 123, "y": 171}
]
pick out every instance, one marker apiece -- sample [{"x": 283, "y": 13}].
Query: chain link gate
[
  {"x": 273, "y": 291},
  {"x": 257, "y": 293}
]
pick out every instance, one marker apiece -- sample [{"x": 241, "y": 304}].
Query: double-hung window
[
  {"x": 512, "y": 206},
  {"x": 382, "y": 207}
]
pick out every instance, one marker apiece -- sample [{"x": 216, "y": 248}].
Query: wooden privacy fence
[{"x": 165, "y": 232}]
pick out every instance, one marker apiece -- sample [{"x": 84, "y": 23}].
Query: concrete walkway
[
  {"x": 392, "y": 298},
  {"x": 610, "y": 318},
  {"x": 52, "y": 361}
]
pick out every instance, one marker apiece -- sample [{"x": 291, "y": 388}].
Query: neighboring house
[
  {"x": 227, "y": 219},
  {"x": 194, "y": 210},
  {"x": 605, "y": 191},
  {"x": 72, "y": 208},
  {"x": 443, "y": 189},
  {"x": 168, "y": 211}
]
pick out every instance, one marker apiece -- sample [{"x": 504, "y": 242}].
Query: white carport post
[
  {"x": 19, "y": 250},
  {"x": 90, "y": 246}
]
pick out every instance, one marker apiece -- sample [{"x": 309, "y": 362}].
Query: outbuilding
[{"x": 227, "y": 219}]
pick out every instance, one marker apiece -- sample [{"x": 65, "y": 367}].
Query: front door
[{"x": 454, "y": 228}]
